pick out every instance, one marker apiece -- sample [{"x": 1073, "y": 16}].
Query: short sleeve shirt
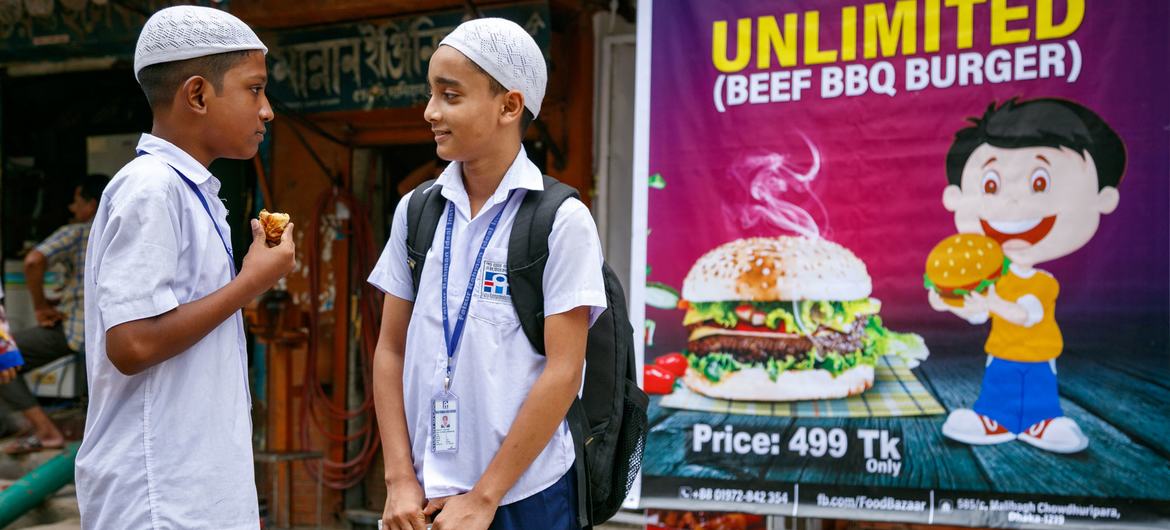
[
  {"x": 1040, "y": 341},
  {"x": 170, "y": 447},
  {"x": 495, "y": 366}
]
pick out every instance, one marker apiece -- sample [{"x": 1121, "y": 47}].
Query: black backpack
[{"x": 612, "y": 409}]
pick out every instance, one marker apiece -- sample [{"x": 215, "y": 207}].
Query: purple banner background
[{"x": 883, "y": 158}]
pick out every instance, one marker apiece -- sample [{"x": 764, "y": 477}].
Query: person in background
[{"x": 60, "y": 330}]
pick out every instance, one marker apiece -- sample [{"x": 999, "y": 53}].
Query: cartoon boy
[{"x": 1036, "y": 176}]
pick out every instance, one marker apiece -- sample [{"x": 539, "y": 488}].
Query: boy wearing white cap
[
  {"x": 455, "y": 349},
  {"x": 168, "y": 435}
]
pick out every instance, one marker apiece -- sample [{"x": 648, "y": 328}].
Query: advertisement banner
[{"x": 908, "y": 260}]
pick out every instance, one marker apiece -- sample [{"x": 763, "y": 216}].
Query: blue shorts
[
  {"x": 555, "y": 508},
  {"x": 1018, "y": 395}
]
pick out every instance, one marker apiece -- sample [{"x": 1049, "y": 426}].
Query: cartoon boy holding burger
[{"x": 1036, "y": 176}]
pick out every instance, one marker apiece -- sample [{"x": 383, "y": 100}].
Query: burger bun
[{"x": 753, "y": 384}]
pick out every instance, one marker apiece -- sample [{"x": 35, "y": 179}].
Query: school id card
[{"x": 444, "y": 423}]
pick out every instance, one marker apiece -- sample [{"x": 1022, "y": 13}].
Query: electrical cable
[
  {"x": 315, "y": 402},
  {"x": 317, "y": 410}
]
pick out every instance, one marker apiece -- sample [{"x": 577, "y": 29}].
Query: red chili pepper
[
  {"x": 657, "y": 380},
  {"x": 674, "y": 363}
]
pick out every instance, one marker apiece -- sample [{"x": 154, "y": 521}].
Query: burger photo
[{"x": 785, "y": 319}]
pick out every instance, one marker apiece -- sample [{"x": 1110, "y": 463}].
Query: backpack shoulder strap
[
  {"x": 422, "y": 219},
  {"x": 528, "y": 254}
]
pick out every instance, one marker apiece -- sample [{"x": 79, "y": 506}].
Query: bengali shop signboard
[
  {"x": 909, "y": 260},
  {"x": 374, "y": 63}
]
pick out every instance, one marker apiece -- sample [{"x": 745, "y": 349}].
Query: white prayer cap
[
  {"x": 507, "y": 53},
  {"x": 186, "y": 32}
]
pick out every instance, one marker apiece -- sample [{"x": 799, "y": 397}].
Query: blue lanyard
[
  {"x": 206, "y": 208},
  {"x": 452, "y": 336}
]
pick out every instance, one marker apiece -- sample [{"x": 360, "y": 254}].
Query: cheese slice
[{"x": 702, "y": 332}]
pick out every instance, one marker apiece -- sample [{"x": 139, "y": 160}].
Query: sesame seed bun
[
  {"x": 771, "y": 269},
  {"x": 962, "y": 263}
]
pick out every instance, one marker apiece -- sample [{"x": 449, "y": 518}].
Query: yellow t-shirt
[{"x": 1041, "y": 341}]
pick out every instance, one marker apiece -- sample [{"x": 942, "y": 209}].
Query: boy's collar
[
  {"x": 522, "y": 174},
  {"x": 176, "y": 157}
]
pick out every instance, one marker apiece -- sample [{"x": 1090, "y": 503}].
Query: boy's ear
[
  {"x": 1107, "y": 200},
  {"x": 193, "y": 93},
  {"x": 513, "y": 107},
  {"x": 951, "y": 197}
]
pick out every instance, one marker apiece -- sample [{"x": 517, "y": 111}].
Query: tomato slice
[
  {"x": 673, "y": 362},
  {"x": 657, "y": 380}
]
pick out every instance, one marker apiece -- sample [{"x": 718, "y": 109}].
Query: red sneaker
[
  {"x": 1059, "y": 435},
  {"x": 970, "y": 427}
]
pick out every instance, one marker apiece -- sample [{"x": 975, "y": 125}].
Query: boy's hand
[
  {"x": 434, "y": 505},
  {"x": 263, "y": 266},
  {"x": 48, "y": 316},
  {"x": 973, "y": 310},
  {"x": 936, "y": 302},
  {"x": 404, "y": 506},
  {"x": 469, "y": 511},
  {"x": 1009, "y": 311},
  {"x": 975, "y": 303},
  {"x": 7, "y": 375}
]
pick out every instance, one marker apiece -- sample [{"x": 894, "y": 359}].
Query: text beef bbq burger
[{"x": 783, "y": 319}]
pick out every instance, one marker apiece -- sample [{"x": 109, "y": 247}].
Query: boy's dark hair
[
  {"x": 497, "y": 89},
  {"x": 160, "y": 81},
  {"x": 1045, "y": 122},
  {"x": 92, "y": 186}
]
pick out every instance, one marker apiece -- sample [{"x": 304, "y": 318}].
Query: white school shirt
[
  {"x": 495, "y": 365},
  {"x": 170, "y": 447}
]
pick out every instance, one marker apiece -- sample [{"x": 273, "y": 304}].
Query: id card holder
[{"x": 444, "y": 423}]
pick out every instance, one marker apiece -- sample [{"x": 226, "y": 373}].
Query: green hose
[{"x": 32, "y": 489}]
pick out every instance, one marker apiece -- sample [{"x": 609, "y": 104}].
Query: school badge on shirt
[{"x": 493, "y": 284}]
